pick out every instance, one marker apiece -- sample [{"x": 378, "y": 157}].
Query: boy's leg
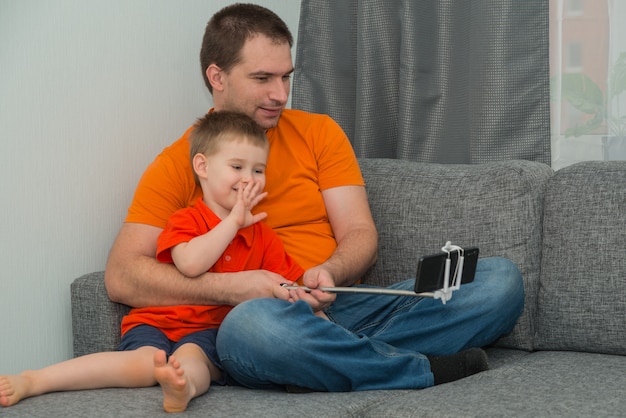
[
  {"x": 92, "y": 371},
  {"x": 188, "y": 371}
]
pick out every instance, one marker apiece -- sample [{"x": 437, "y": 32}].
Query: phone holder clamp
[{"x": 454, "y": 283}]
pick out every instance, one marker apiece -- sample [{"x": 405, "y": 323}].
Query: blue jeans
[{"x": 371, "y": 341}]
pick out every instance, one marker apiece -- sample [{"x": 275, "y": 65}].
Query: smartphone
[
  {"x": 470, "y": 259},
  {"x": 430, "y": 274}
]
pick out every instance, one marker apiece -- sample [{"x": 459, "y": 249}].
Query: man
[{"x": 318, "y": 205}]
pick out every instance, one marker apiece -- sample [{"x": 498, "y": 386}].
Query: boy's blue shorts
[{"x": 147, "y": 335}]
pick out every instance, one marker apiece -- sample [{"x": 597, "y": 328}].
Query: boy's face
[
  {"x": 235, "y": 161},
  {"x": 259, "y": 84}
]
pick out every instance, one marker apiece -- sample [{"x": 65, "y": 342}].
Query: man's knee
[
  {"x": 501, "y": 271},
  {"x": 502, "y": 283}
]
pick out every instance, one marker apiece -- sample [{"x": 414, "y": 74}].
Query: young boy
[{"x": 219, "y": 233}]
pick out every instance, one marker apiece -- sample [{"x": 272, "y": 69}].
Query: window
[
  {"x": 573, "y": 57},
  {"x": 588, "y": 80},
  {"x": 574, "y": 7}
]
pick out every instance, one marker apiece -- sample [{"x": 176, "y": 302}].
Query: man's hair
[
  {"x": 229, "y": 29},
  {"x": 218, "y": 127}
]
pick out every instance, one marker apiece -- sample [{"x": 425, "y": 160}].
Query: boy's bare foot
[
  {"x": 14, "y": 388},
  {"x": 177, "y": 390}
]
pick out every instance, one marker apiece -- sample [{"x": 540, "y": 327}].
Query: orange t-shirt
[
  {"x": 254, "y": 247},
  {"x": 309, "y": 153}
]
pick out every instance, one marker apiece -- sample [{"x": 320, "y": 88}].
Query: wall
[{"x": 90, "y": 92}]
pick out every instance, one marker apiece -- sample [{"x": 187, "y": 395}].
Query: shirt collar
[{"x": 212, "y": 220}]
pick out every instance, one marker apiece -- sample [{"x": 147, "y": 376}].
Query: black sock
[
  {"x": 297, "y": 389},
  {"x": 457, "y": 366}
]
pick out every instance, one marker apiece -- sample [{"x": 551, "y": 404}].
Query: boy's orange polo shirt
[{"x": 254, "y": 247}]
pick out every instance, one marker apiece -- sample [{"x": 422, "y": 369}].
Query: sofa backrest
[
  {"x": 582, "y": 294},
  {"x": 496, "y": 206}
]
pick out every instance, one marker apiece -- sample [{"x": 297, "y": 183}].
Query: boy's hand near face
[{"x": 249, "y": 194}]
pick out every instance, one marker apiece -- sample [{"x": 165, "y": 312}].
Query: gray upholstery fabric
[
  {"x": 582, "y": 298},
  {"x": 464, "y": 81},
  {"x": 496, "y": 207},
  {"x": 95, "y": 319},
  {"x": 544, "y": 384},
  {"x": 219, "y": 401}
]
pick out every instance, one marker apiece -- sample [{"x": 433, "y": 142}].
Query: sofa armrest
[{"x": 95, "y": 318}]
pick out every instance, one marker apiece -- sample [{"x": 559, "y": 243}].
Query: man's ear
[
  {"x": 215, "y": 76},
  {"x": 200, "y": 165}
]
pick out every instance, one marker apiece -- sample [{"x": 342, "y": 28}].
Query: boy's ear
[
  {"x": 215, "y": 76},
  {"x": 200, "y": 165}
]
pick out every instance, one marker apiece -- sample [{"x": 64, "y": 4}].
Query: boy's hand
[{"x": 249, "y": 195}]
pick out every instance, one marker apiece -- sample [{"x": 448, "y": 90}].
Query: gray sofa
[{"x": 566, "y": 356}]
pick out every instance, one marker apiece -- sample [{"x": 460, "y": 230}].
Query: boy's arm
[{"x": 199, "y": 254}]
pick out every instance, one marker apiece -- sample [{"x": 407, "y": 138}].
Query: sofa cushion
[
  {"x": 582, "y": 297},
  {"x": 542, "y": 384},
  {"x": 219, "y": 401},
  {"x": 496, "y": 206}
]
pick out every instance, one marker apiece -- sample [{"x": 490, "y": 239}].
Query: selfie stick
[
  {"x": 372, "y": 290},
  {"x": 444, "y": 294}
]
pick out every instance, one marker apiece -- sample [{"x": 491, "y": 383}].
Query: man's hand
[{"x": 314, "y": 278}]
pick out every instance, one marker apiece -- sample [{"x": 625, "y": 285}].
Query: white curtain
[{"x": 588, "y": 80}]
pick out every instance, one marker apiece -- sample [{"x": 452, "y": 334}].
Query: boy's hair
[
  {"x": 231, "y": 27},
  {"x": 218, "y": 127}
]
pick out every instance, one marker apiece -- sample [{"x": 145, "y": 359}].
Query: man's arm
[
  {"x": 134, "y": 277},
  {"x": 357, "y": 239},
  {"x": 357, "y": 245}
]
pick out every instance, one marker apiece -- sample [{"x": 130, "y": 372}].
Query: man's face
[{"x": 259, "y": 84}]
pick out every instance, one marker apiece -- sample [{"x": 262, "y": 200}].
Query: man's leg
[
  {"x": 266, "y": 343},
  {"x": 478, "y": 314},
  {"x": 373, "y": 341}
]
